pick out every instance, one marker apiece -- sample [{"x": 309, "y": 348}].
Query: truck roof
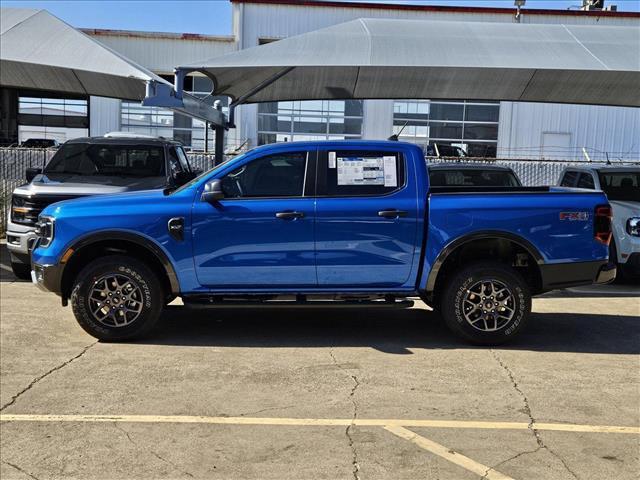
[
  {"x": 468, "y": 166},
  {"x": 608, "y": 168},
  {"x": 123, "y": 141}
]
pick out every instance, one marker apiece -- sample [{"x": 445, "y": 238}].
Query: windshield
[
  {"x": 472, "y": 178},
  {"x": 110, "y": 160},
  {"x": 621, "y": 185}
]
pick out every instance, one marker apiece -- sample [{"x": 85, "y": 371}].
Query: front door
[
  {"x": 366, "y": 219},
  {"x": 261, "y": 234}
]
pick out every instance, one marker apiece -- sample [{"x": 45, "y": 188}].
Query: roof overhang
[
  {"x": 40, "y": 52},
  {"x": 412, "y": 59}
]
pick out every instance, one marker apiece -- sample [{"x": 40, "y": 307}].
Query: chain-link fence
[
  {"x": 15, "y": 161},
  {"x": 531, "y": 172}
]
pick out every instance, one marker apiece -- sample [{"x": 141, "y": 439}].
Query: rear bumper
[{"x": 563, "y": 275}]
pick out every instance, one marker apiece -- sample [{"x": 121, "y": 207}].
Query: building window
[
  {"x": 472, "y": 126},
  {"x": 309, "y": 120},
  {"x": 159, "y": 122},
  {"x": 61, "y": 118}
]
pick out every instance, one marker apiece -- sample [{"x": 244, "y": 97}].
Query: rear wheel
[
  {"x": 486, "y": 303},
  {"x": 117, "y": 298},
  {"x": 21, "y": 270}
]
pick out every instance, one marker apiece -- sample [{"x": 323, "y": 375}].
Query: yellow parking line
[
  {"x": 363, "y": 422},
  {"x": 448, "y": 454}
]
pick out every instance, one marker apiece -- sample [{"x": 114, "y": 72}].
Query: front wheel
[
  {"x": 117, "y": 298},
  {"x": 486, "y": 303}
]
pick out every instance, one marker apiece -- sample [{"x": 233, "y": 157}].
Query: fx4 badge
[{"x": 574, "y": 216}]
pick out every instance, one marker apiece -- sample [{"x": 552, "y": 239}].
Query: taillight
[{"x": 602, "y": 224}]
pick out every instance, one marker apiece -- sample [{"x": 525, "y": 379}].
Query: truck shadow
[{"x": 395, "y": 332}]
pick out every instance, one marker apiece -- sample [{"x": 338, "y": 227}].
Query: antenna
[{"x": 394, "y": 137}]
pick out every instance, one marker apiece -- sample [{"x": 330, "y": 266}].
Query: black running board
[{"x": 300, "y": 301}]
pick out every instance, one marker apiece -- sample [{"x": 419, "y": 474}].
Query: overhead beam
[{"x": 164, "y": 95}]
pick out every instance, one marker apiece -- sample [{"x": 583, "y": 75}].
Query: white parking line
[{"x": 448, "y": 454}]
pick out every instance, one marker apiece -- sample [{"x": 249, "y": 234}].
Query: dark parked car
[
  {"x": 471, "y": 175},
  {"x": 91, "y": 166},
  {"x": 40, "y": 143}
]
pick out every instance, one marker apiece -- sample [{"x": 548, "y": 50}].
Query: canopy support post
[{"x": 253, "y": 91}]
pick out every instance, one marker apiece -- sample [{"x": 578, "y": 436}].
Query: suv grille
[{"x": 25, "y": 210}]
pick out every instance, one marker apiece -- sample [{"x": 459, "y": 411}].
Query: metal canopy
[
  {"x": 412, "y": 59},
  {"x": 39, "y": 51}
]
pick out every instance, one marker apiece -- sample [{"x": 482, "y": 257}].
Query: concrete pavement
[{"x": 577, "y": 364}]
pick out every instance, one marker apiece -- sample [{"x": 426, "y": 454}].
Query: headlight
[
  {"x": 633, "y": 226},
  {"x": 19, "y": 210},
  {"x": 45, "y": 229}
]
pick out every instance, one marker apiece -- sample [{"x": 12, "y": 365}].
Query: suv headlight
[
  {"x": 633, "y": 226},
  {"x": 45, "y": 229}
]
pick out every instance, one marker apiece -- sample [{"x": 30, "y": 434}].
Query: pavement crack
[
  {"x": 268, "y": 409},
  {"x": 517, "y": 455},
  {"x": 21, "y": 470},
  {"x": 152, "y": 452},
  {"x": 44, "y": 375},
  {"x": 532, "y": 420},
  {"x": 348, "y": 431}
]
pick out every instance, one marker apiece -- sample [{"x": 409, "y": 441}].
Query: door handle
[
  {"x": 289, "y": 215},
  {"x": 392, "y": 213}
]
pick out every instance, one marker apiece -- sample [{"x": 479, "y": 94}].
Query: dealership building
[{"x": 482, "y": 128}]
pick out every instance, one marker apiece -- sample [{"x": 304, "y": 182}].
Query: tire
[
  {"x": 469, "y": 321},
  {"x": 21, "y": 270},
  {"x": 140, "y": 302}
]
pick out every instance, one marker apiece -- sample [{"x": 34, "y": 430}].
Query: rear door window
[{"x": 348, "y": 173}]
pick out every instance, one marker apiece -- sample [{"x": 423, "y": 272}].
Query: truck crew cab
[
  {"x": 298, "y": 223},
  {"x": 117, "y": 162}
]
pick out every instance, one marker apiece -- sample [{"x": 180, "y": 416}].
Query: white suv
[{"x": 622, "y": 186}]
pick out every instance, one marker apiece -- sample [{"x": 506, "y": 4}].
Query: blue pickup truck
[{"x": 322, "y": 223}]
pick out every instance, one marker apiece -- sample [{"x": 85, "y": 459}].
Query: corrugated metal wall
[{"x": 525, "y": 130}]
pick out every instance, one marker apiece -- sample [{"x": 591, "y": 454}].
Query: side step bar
[{"x": 299, "y": 301}]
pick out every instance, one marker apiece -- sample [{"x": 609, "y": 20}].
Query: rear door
[
  {"x": 366, "y": 218},
  {"x": 260, "y": 236}
]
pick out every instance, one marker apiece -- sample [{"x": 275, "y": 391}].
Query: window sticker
[
  {"x": 367, "y": 171},
  {"x": 390, "y": 174},
  {"x": 332, "y": 159}
]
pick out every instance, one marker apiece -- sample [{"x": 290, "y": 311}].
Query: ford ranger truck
[{"x": 322, "y": 223}]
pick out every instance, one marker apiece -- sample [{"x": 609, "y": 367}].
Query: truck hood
[
  {"x": 625, "y": 208},
  {"x": 110, "y": 202},
  {"x": 81, "y": 185}
]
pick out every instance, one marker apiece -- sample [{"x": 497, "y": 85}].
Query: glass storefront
[
  {"x": 53, "y": 117},
  {"x": 472, "y": 126},
  {"x": 309, "y": 120}
]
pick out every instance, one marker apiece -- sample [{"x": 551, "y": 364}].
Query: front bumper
[
  {"x": 564, "y": 275},
  {"x": 47, "y": 277},
  {"x": 20, "y": 240},
  {"x": 632, "y": 266}
]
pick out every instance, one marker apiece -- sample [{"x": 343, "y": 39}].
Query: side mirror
[
  {"x": 212, "y": 191},
  {"x": 182, "y": 177},
  {"x": 30, "y": 173}
]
